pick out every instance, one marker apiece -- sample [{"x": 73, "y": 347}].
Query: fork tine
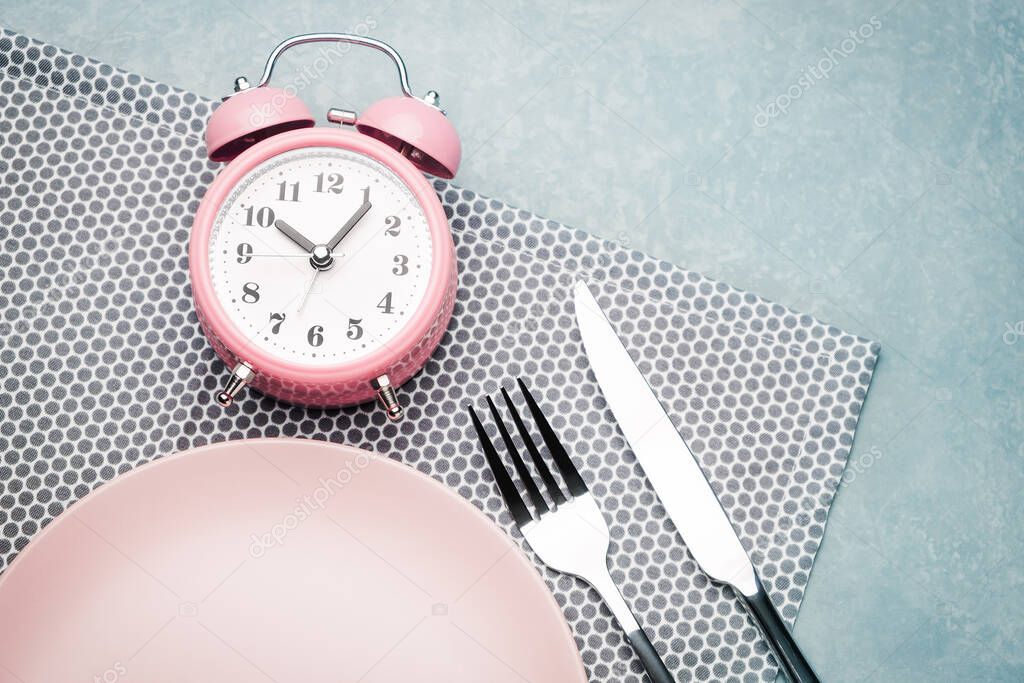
[
  {"x": 539, "y": 504},
  {"x": 562, "y": 460},
  {"x": 506, "y": 487},
  {"x": 538, "y": 461}
]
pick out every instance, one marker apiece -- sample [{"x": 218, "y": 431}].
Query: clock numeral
[
  {"x": 263, "y": 217},
  {"x": 385, "y": 304},
  {"x": 250, "y": 292},
  {"x": 401, "y": 265},
  {"x": 287, "y": 192},
  {"x": 355, "y": 330},
  {"x": 244, "y": 253},
  {"x": 315, "y": 336},
  {"x": 366, "y": 195},
  {"x": 277, "y": 319},
  {"x": 329, "y": 182},
  {"x": 392, "y": 224}
]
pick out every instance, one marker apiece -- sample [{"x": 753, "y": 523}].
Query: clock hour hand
[
  {"x": 349, "y": 224},
  {"x": 294, "y": 235}
]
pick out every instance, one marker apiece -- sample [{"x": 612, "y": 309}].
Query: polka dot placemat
[{"x": 103, "y": 366}]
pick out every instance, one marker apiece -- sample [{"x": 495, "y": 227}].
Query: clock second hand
[
  {"x": 305, "y": 243},
  {"x": 305, "y": 295}
]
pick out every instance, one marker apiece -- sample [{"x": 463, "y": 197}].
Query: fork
[{"x": 570, "y": 535}]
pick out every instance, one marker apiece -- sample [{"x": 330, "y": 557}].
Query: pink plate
[{"x": 283, "y": 560}]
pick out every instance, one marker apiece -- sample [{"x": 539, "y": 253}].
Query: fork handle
[
  {"x": 653, "y": 665},
  {"x": 655, "y": 668}
]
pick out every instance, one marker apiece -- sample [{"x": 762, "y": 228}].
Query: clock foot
[
  {"x": 388, "y": 398},
  {"x": 240, "y": 376}
]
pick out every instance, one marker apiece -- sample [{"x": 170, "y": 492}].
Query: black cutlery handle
[
  {"x": 779, "y": 639},
  {"x": 655, "y": 668}
]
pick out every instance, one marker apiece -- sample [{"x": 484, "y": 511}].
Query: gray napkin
[{"x": 103, "y": 366}]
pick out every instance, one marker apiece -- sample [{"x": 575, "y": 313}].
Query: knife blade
[
  {"x": 678, "y": 479},
  {"x": 663, "y": 455}
]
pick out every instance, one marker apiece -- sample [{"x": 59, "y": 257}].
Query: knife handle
[
  {"x": 778, "y": 637},
  {"x": 653, "y": 665}
]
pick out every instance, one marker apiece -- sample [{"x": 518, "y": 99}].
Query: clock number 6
[{"x": 315, "y": 336}]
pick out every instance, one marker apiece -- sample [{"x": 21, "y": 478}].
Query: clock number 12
[{"x": 329, "y": 182}]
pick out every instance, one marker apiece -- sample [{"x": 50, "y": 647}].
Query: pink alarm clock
[{"x": 322, "y": 264}]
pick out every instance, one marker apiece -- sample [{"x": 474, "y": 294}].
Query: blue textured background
[{"x": 887, "y": 199}]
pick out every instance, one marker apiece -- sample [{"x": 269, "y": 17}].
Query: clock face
[{"x": 320, "y": 255}]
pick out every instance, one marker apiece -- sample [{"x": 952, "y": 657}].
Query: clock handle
[
  {"x": 416, "y": 127},
  {"x": 403, "y": 75}
]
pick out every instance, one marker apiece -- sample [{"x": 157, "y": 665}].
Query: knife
[{"x": 679, "y": 481}]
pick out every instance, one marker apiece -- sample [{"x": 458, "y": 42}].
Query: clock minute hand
[
  {"x": 349, "y": 224},
  {"x": 294, "y": 235}
]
